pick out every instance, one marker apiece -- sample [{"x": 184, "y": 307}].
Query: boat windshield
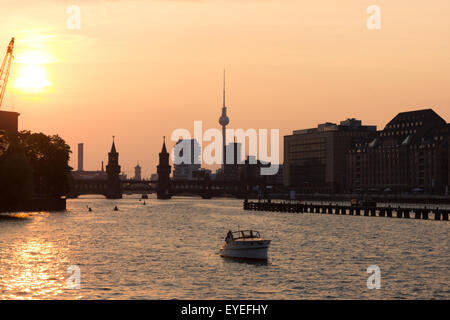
[{"x": 245, "y": 234}]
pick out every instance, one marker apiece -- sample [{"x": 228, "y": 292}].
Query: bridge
[
  {"x": 131, "y": 186},
  {"x": 206, "y": 188},
  {"x": 111, "y": 186},
  {"x": 102, "y": 186},
  {"x": 88, "y": 186}
]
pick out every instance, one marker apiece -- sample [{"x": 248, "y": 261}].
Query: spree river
[{"x": 169, "y": 250}]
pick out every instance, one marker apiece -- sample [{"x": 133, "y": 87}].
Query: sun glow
[{"x": 32, "y": 73}]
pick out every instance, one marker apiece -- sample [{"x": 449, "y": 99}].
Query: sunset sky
[{"x": 140, "y": 69}]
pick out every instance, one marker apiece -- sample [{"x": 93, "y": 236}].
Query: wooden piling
[{"x": 329, "y": 208}]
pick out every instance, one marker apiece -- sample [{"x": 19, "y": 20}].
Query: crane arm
[{"x": 5, "y": 69}]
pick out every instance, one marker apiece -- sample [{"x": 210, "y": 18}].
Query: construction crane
[{"x": 4, "y": 71}]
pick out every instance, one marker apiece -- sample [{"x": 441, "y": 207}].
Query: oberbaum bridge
[{"x": 112, "y": 187}]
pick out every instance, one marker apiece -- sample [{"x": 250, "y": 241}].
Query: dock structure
[{"x": 423, "y": 213}]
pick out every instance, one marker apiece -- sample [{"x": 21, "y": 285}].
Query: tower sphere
[{"x": 223, "y": 120}]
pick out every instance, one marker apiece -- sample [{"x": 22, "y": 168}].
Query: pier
[{"x": 423, "y": 213}]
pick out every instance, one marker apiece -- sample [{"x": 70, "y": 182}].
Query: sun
[
  {"x": 32, "y": 78},
  {"x": 31, "y": 71}
]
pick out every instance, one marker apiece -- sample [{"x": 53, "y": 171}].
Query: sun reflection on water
[{"x": 36, "y": 270}]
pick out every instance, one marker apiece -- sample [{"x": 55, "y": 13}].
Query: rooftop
[{"x": 348, "y": 124}]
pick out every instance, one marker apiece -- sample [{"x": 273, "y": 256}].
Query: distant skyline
[{"x": 140, "y": 69}]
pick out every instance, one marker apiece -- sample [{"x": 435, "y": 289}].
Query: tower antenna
[{"x": 224, "y": 87}]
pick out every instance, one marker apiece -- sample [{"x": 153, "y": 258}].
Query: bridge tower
[
  {"x": 163, "y": 169},
  {"x": 113, "y": 171}
]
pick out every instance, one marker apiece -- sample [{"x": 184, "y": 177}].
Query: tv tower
[{"x": 223, "y": 121}]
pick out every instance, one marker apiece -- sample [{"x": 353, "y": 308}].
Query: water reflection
[{"x": 34, "y": 270}]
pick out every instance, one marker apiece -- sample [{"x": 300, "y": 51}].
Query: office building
[
  {"x": 411, "y": 154},
  {"x": 315, "y": 159}
]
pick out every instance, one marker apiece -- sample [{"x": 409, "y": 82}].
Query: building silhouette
[
  {"x": 9, "y": 121},
  {"x": 411, "y": 154},
  {"x": 80, "y": 156},
  {"x": 234, "y": 162},
  {"x": 315, "y": 159},
  {"x": 187, "y": 159},
  {"x": 137, "y": 172},
  {"x": 201, "y": 174},
  {"x": 234, "y": 153}
]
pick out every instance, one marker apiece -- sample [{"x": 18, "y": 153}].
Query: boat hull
[{"x": 254, "y": 250}]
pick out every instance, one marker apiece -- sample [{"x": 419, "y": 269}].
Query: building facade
[
  {"x": 315, "y": 159},
  {"x": 411, "y": 154}
]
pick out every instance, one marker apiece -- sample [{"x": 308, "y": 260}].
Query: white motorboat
[{"x": 245, "y": 244}]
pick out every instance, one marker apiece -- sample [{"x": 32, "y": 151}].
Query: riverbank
[{"x": 38, "y": 204}]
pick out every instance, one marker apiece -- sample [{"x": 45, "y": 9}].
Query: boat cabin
[{"x": 243, "y": 234}]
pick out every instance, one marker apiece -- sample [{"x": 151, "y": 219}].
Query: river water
[{"x": 169, "y": 250}]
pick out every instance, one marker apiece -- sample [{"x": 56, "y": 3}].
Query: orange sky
[{"x": 140, "y": 69}]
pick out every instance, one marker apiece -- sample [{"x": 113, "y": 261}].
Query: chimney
[{"x": 80, "y": 157}]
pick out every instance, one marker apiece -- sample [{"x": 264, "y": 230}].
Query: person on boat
[{"x": 229, "y": 236}]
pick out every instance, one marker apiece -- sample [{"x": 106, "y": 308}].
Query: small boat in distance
[{"x": 245, "y": 244}]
